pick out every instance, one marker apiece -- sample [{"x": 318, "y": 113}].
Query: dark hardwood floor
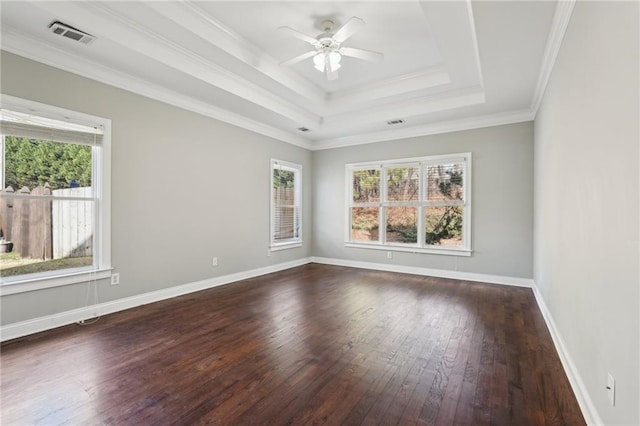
[{"x": 310, "y": 345}]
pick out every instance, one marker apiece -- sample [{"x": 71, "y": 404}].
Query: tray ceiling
[{"x": 448, "y": 65}]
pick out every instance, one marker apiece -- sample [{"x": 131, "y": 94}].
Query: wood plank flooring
[{"x": 316, "y": 344}]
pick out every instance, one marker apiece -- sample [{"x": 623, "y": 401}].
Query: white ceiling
[{"x": 448, "y": 65}]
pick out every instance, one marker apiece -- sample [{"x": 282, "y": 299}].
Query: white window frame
[
  {"x": 422, "y": 163},
  {"x": 297, "y": 170},
  {"x": 101, "y": 183}
]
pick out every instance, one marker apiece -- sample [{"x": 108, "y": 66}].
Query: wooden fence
[
  {"x": 72, "y": 223},
  {"x": 47, "y": 229}
]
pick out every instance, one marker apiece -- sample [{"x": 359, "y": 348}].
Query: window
[
  {"x": 54, "y": 200},
  {"x": 416, "y": 204},
  {"x": 286, "y": 202}
]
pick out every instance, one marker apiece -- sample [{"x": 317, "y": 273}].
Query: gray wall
[
  {"x": 502, "y": 199},
  {"x": 173, "y": 207},
  {"x": 586, "y": 202}
]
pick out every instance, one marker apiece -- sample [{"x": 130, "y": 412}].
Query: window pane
[
  {"x": 402, "y": 224},
  {"x": 445, "y": 182},
  {"x": 45, "y": 235},
  {"x": 402, "y": 184},
  {"x": 444, "y": 226},
  {"x": 32, "y": 162},
  {"x": 365, "y": 222},
  {"x": 366, "y": 186},
  {"x": 285, "y": 209},
  {"x": 282, "y": 180}
]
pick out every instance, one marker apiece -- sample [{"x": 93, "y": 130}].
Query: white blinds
[
  {"x": 13, "y": 123},
  {"x": 285, "y": 202}
]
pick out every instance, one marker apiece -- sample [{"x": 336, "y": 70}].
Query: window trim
[
  {"x": 101, "y": 159},
  {"x": 293, "y": 242},
  {"x": 421, "y": 163}
]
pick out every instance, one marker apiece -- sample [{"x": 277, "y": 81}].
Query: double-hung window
[
  {"x": 286, "y": 205},
  {"x": 417, "y": 204},
  {"x": 54, "y": 200}
]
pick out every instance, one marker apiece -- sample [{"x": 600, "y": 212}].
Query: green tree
[
  {"x": 33, "y": 162},
  {"x": 366, "y": 185},
  {"x": 283, "y": 178}
]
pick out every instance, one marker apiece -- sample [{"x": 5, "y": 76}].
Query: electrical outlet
[
  {"x": 389, "y": 255},
  {"x": 611, "y": 389},
  {"x": 214, "y": 261},
  {"x": 115, "y": 279}
]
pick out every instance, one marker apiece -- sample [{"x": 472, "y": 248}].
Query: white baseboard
[
  {"x": 440, "y": 273},
  {"x": 36, "y": 325},
  {"x": 589, "y": 411}
]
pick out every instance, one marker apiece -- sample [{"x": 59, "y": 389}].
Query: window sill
[
  {"x": 285, "y": 246},
  {"x": 420, "y": 250},
  {"x": 39, "y": 283}
]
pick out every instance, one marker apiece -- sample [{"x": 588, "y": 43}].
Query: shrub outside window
[{"x": 416, "y": 204}]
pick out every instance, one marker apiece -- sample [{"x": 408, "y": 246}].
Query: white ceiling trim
[
  {"x": 148, "y": 43},
  {"x": 408, "y": 108},
  {"x": 20, "y": 44},
  {"x": 428, "y": 129},
  {"x": 193, "y": 18},
  {"x": 346, "y": 100},
  {"x": 474, "y": 36},
  {"x": 463, "y": 41},
  {"x": 156, "y": 47},
  {"x": 561, "y": 18}
]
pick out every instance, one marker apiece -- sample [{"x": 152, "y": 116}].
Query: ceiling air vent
[
  {"x": 394, "y": 122},
  {"x": 303, "y": 129},
  {"x": 70, "y": 32}
]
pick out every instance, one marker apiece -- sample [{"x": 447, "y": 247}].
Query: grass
[{"x": 12, "y": 264}]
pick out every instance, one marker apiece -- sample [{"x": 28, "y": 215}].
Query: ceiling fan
[{"x": 328, "y": 50}]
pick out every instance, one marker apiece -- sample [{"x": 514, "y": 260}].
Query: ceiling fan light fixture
[
  {"x": 322, "y": 59},
  {"x": 334, "y": 61},
  {"x": 328, "y": 50},
  {"x": 319, "y": 62}
]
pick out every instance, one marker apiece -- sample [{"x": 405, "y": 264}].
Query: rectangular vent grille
[
  {"x": 303, "y": 129},
  {"x": 394, "y": 122},
  {"x": 69, "y": 32}
]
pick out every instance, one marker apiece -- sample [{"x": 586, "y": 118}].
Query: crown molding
[
  {"x": 193, "y": 18},
  {"x": 478, "y": 122},
  {"x": 561, "y": 18},
  {"x": 459, "y": 49},
  {"x": 407, "y": 108},
  {"x": 474, "y": 37},
  {"x": 36, "y": 50},
  {"x": 346, "y": 100},
  {"x": 122, "y": 30}
]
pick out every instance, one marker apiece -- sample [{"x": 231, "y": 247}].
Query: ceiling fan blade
[
  {"x": 331, "y": 75},
  {"x": 366, "y": 55},
  {"x": 312, "y": 41},
  {"x": 348, "y": 29},
  {"x": 298, "y": 58}
]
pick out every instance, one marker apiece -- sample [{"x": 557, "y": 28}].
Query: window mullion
[
  {"x": 422, "y": 191},
  {"x": 382, "y": 211}
]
